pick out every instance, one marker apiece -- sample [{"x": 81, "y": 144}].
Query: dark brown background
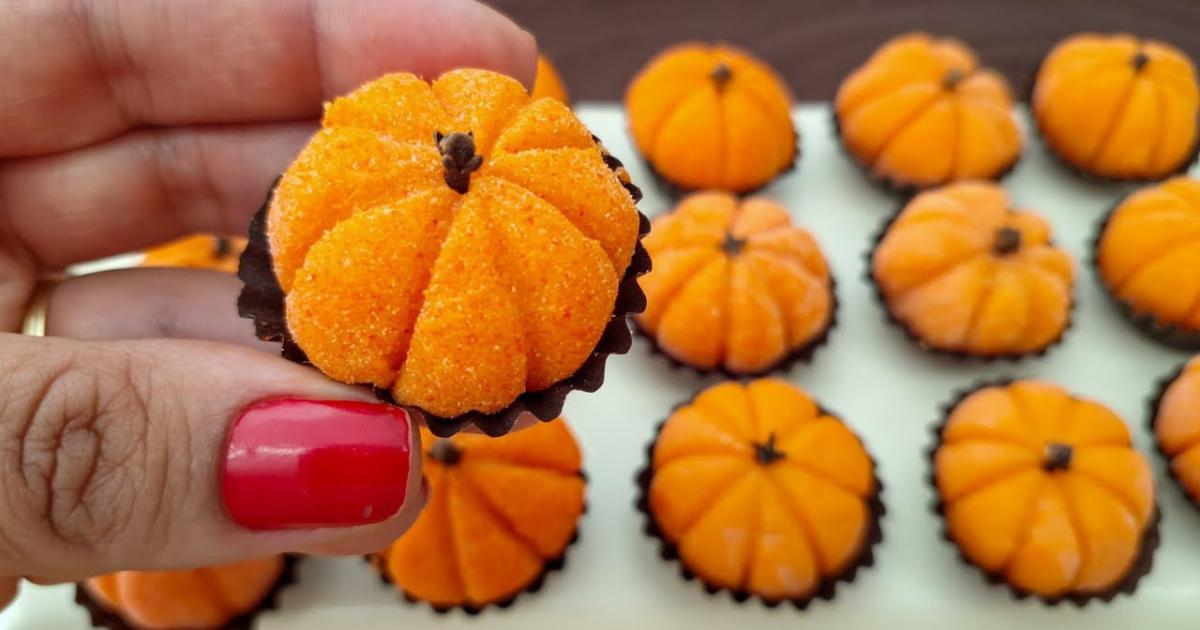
[{"x": 599, "y": 44}]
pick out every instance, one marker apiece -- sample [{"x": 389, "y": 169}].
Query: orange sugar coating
[
  {"x": 1118, "y": 106},
  {"x": 197, "y": 599},
  {"x": 712, "y": 116},
  {"x": 734, "y": 284},
  {"x": 1149, "y": 253},
  {"x": 499, "y": 510},
  {"x": 761, "y": 491},
  {"x": 549, "y": 83},
  {"x": 198, "y": 251},
  {"x": 1177, "y": 427},
  {"x": 964, "y": 273},
  {"x": 922, "y": 112},
  {"x": 1043, "y": 489},
  {"x": 456, "y": 297}
]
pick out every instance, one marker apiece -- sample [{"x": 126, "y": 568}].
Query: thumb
[{"x": 162, "y": 454}]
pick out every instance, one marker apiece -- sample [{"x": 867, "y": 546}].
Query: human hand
[{"x": 124, "y": 124}]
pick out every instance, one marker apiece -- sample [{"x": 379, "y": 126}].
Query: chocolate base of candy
[
  {"x": 1155, "y": 402},
  {"x": 552, "y": 565},
  {"x": 674, "y": 190},
  {"x": 800, "y": 354},
  {"x": 262, "y": 300},
  {"x": 1166, "y": 334},
  {"x": 101, "y": 617},
  {"x": 1127, "y": 586},
  {"x": 903, "y": 189},
  {"x": 826, "y": 589},
  {"x": 894, "y": 321}
]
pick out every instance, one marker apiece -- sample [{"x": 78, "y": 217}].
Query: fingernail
[{"x": 296, "y": 463}]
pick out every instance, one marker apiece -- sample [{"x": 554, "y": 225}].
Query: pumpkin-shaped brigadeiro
[
  {"x": 712, "y": 117},
  {"x": 549, "y": 83},
  {"x": 459, "y": 245},
  {"x": 735, "y": 285},
  {"x": 198, "y": 599},
  {"x": 1045, "y": 492},
  {"x": 760, "y": 492},
  {"x": 1148, "y": 258},
  {"x": 501, "y": 513},
  {"x": 1177, "y": 427},
  {"x": 963, "y": 274},
  {"x": 921, "y": 112},
  {"x": 199, "y": 251},
  {"x": 1118, "y": 107}
]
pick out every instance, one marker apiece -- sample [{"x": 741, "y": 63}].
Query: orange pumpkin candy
[
  {"x": 549, "y": 83},
  {"x": 197, "y": 599},
  {"x": 199, "y": 251},
  {"x": 501, "y": 512},
  {"x": 455, "y": 244},
  {"x": 1044, "y": 491},
  {"x": 1176, "y": 424},
  {"x": 760, "y": 492},
  {"x": 964, "y": 274},
  {"x": 1118, "y": 107},
  {"x": 712, "y": 116},
  {"x": 921, "y": 112},
  {"x": 735, "y": 285},
  {"x": 1148, "y": 258}
]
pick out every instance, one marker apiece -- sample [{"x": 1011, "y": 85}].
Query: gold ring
[{"x": 37, "y": 311}]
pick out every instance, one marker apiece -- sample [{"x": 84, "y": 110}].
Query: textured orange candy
[
  {"x": 1043, "y": 489},
  {"x": 198, "y": 599},
  {"x": 1177, "y": 427},
  {"x": 964, "y": 273},
  {"x": 549, "y": 83},
  {"x": 1117, "y": 106},
  {"x": 199, "y": 251},
  {"x": 734, "y": 284},
  {"x": 712, "y": 117},
  {"x": 922, "y": 112},
  {"x": 1149, "y": 254},
  {"x": 454, "y": 301},
  {"x": 499, "y": 510},
  {"x": 760, "y": 491}
]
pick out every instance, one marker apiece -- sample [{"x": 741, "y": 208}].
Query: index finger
[{"x": 89, "y": 71}]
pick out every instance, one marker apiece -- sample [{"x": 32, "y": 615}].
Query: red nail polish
[{"x": 299, "y": 464}]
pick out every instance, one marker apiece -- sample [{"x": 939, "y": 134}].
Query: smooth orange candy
[
  {"x": 1149, "y": 253},
  {"x": 199, "y": 251},
  {"x": 459, "y": 273},
  {"x": 922, "y": 112},
  {"x": 712, "y": 117},
  {"x": 1117, "y": 106},
  {"x": 964, "y": 273},
  {"x": 499, "y": 510},
  {"x": 549, "y": 83},
  {"x": 734, "y": 284},
  {"x": 196, "y": 599},
  {"x": 1177, "y": 427},
  {"x": 1043, "y": 488},
  {"x": 760, "y": 491}
]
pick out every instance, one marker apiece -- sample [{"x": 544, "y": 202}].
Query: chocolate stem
[
  {"x": 1057, "y": 456},
  {"x": 222, "y": 247},
  {"x": 766, "y": 453},
  {"x": 1008, "y": 241},
  {"x": 953, "y": 77},
  {"x": 445, "y": 452},
  {"x": 1139, "y": 60},
  {"x": 458, "y": 156},
  {"x": 732, "y": 245},
  {"x": 721, "y": 74}
]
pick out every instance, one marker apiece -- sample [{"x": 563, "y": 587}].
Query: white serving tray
[{"x": 881, "y": 384}]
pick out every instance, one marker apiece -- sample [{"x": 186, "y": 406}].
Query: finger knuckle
[{"x": 80, "y": 427}]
